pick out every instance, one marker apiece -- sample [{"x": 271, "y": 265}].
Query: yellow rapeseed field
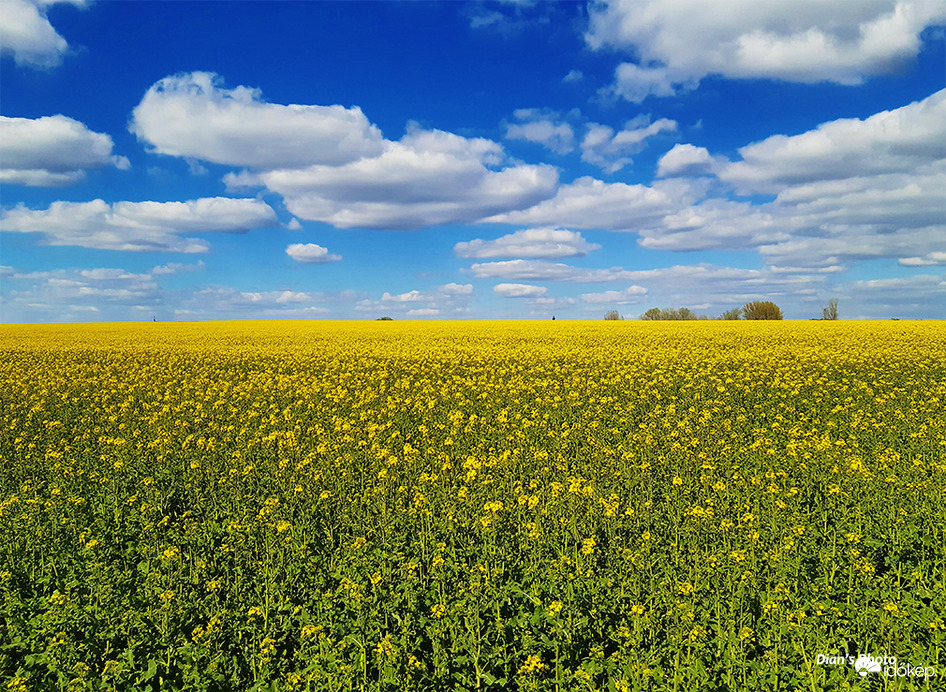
[{"x": 471, "y": 506}]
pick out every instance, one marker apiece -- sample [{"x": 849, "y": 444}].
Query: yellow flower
[
  {"x": 267, "y": 647},
  {"x": 385, "y": 648},
  {"x": 555, "y": 607},
  {"x": 697, "y": 633},
  {"x": 588, "y": 546},
  {"x": 533, "y": 664}
]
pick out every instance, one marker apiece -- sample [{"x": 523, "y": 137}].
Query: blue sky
[{"x": 470, "y": 160}]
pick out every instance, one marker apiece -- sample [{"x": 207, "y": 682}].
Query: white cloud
[
  {"x": 310, "y": 253},
  {"x": 448, "y": 299},
  {"x": 457, "y": 289},
  {"x": 635, "y": 83},
  {"x": 519, "y": 290},
  {"x": 588, "y": 203},
  {"x": 685, "y": 159},
  {"x": 542, "y": 127},
  {"x": 715, "y": 288},
  {"x": 627, "y": 296},
  {"x": 922, "y": 295},
  {"x": 714, "y": 224},
  {"x": 27, "y": 35},
  {"x": 52, "y": 151},
  {"x": 610, "y": 151},
  {"x": 545, "y": 271},
  {"x": 887, "y": 142},
  {"x": 138, "y": 226},
  {"x": 678, "y": 42},
  {"x": 409, "y": 297},
  {"x": 428, "y": 178},
  {"x": 930, "y": 259},
  {"x": 214, "y": 301},
  {"x": 85, "y": 289},
  {"x": 573, "y": 76},
  {"x": 544, "y": 243},
  {"x": 848, "y": 190},
  {"x": 192, "y": 115},
  {"x": 176, "y": 268},
  {"x": 105, "y": 274},
  {"x": 846, "y": 244},
  {"x": 331, "y": 164}
]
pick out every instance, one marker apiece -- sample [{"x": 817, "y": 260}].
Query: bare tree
[
  {"x": 830, "y": 312},
  {"x": 612, "y": 315}
]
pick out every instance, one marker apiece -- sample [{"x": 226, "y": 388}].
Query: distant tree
[
  {"x": 612, "y": 315},
  {"x": 830, "y": 312},
  {"x": 652, "y": 314},
  {"x": 761, "y": 310},
  {"x": 385, "y": 319},
  {"x": 734, "y": 314},
  {"x": 672, "y": 314}
]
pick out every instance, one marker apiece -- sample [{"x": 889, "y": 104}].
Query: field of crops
[{"x": 471, "y": 506}]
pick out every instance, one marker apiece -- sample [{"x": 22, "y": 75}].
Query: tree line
[{"x": 753, "y": 310}]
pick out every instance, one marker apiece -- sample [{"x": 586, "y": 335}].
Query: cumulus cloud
[
  {"x": 921, "y": 295},
  {"x": 714, "y": 224},
  {"x": 544, "y": 243},
  {"x": 409, "y": 297},
  {"x": 930, "y": 259},
  {"x": 685, "y": 159},
  {"x": 330, "y": 163},
  {"x": 106, "y": 288},
  {"x": 519, "y": 290},
  {"x": 428, "y": 178},
  {"x": 611, "y": 151},
  {"x": 27, "y": 35},
  {"x": 887, "y": 142},
  {"x": 192, "y": 115},
  {"x": 138, "y": 226},
  {"x": 542, "y": 127},
  {"x": 449, "y": 299},
  {"x": 176, "y": 268},
  {"x": 847, "y": 190},
  {"x": 627, "y": 296},
  {"x": 457, "y": 289},
  {"x": 716, "y": 288},
  {"x": 214, "y": 301},
  {"x": 845, "y": 245},
  {"x": 52, "y": 151},
  {"x": 588, "y": 203},
  {"x": 310, "y": 253},
  {"x": 538, "y": 270},
  {"x": 678, "y": 42}
]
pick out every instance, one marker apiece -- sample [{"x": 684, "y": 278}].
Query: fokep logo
[{"x": 888, "y": 666}]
